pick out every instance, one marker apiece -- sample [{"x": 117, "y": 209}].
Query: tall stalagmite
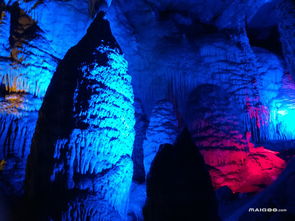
[{"x": 80, "y": 158}]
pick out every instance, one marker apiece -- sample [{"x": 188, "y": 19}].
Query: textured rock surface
[
  {"x": 38, "y": 35},
  {"x": 4, "y": 33},
  {"x": 27, "y": 66},
  {"x": 18, "y": 116},
  {"x": 173, "y": 47},
  {"x": 216, "y": 131},
  {"x": 162, "y": 129},
  {"x": 286, "y": 27},
  {"x": 280, "y": 195},
  {"x": 136, "y": 201},
  {"x": 63, "y": 23},
  {"x": 81, "y": 150},
  {"x": 33, "y": 38},
  {"x": 178, "y": 185},
  {"x": 140, "y": 134},
  {"x": 165, "y": 36}
]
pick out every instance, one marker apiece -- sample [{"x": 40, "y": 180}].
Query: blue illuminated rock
[
  {"x": 136, "y": 201},
  {"x": 18, "y": 117},
  {"x": 81, "y": 155},
  {"x": 32, "y": 40},
  {"x": 162, "y": 129},
  {"x": 28, "y": 65},
  {"x": 282, "y": 114},
  {"x": 63, "y": 23},
  {"x": 209, "y": 39},
  {"x": 140, "y": 134},
  {"x": 35, "y": 36},
  {"x": 4, "y": 34},
  {"x": 287, "y": 31},
  {"x": 81, "y": 151}
]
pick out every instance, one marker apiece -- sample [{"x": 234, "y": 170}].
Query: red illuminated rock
[{"x": 243, "y": 171}]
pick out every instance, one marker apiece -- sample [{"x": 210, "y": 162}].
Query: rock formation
[
  {"x": 231, "y": 155},
  {"x": 278, "y": 196},
  {"x": 17, "y": 116},
  {"x": 81, "y": 150},
  {"x": 162, "y": 129},
  {"x": 178, "y": 185},
  {"x": 33, "y": 39},
  {"x": 286, "y": 27},
  {"x": 140, "y": 134},
  {"x": 223, "y": 68}
]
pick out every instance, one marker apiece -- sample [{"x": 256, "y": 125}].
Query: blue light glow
[
  {"x": 283, "y": 112},
  {"x": 282, "y": 116}
]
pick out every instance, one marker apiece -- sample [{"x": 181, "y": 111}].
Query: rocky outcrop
[
  {"x": 178, "y": 185},
  {"x": 81, "y": 151},
  {"x": 162, "y": 129}
]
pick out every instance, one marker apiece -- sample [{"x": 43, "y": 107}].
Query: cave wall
[
  {"x": 34, "y": 38},
  {"x": 180, "y": 48}
]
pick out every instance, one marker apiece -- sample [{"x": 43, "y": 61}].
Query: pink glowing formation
[{"x": 241, "y": 170}]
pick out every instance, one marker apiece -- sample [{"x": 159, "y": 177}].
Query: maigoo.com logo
[{"x": 266, "y": 210}]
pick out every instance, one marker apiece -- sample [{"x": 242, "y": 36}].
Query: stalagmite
[{"x": 81, "y": 151}]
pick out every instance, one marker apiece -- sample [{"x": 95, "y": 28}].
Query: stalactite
[
  {"x": 4, "y": 33},
  {"x": 29, "y": 66},
  {"x": 81, "y": 151},
  {"x": 18, "y": 117},
  {"x": 63, "y": 23}
]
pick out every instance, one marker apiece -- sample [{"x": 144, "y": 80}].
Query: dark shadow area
[
  {"x": 178, "y": 185},
  {"x": 266, "y": 37}
]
